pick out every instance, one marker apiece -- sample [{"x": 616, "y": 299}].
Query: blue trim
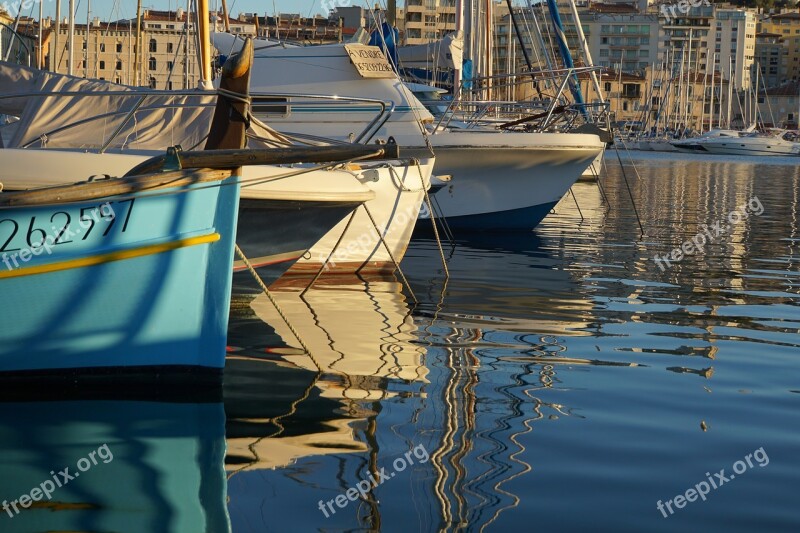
[{"x": 522, "y": 219}]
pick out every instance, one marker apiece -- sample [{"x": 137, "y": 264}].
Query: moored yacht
[{"x": 501, "y": 180}]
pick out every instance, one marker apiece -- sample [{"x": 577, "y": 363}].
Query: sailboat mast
[
  {"x": 713, "y": 75},
  {"x": 56, "y": 38},
  {"x": 226, "y": 18},
  {"x": 488, "y": 49},
  {"x": 205, "y": 43},
  {"x": 71, "y": 41},
  {"x": 137, "y": 58},
  {"x": 459, "y": 31},
  {"x": 585, "y": 47}
]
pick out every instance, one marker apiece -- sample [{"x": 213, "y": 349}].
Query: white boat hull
[
  {"x": 359, "y": 245},
  {"x": 512, "y": 185},
  {"x": 751, "y": 147}
]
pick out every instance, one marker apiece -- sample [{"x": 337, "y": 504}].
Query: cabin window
[{"x": 270, "y": 106}]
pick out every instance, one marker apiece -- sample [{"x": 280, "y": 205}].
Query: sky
[{"x": 116, "y": 9}]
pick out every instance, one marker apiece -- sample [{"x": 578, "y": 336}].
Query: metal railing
[
  {"x": 474, "y": 112},
  {"x": 384, "y": 109}
]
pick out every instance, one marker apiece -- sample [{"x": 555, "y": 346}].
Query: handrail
[
  {"x": 385, "y": 108},
  {"x": 481, "y": 107}
]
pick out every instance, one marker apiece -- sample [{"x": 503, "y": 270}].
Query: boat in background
[
  {"x": 774, "y": 143},
  {"x": 501, "y": 180},
  {"x": 312, "y": 199}
]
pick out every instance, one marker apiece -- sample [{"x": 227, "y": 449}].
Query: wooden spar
[
  {"x": 271, "y": 156},
  {"x": 228, "y": 126},
  {"x": 92, "y": 190},
  {"x": 226, "y": 18},
  {"x": 205, "y": 43}
]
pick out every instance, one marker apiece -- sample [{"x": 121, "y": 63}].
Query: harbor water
[{"x": 593, "y": 374}]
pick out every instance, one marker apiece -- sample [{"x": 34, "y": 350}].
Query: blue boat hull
[
  {"x": 144, "y": 283},
  {"x": 515, "y": 219}
]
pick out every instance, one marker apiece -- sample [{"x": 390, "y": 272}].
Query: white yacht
[{"x": 501, "y": 180}]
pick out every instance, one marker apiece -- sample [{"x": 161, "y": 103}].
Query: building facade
[
  {"x": 771, "y": 57},
  {"x": 428, "y": 20},
  {"x": 787, "y": 25}
]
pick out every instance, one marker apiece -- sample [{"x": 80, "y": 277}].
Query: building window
[
  {"x": 102, "y": 65},
  {"x": 604, "y": 52},
  {"x": 152, "y": 63},
  {"x": 153, "y": 46},
  {"x": 169, "y": 65},
  {"x": 119, "y": 48},
  {"x": 119, "y": 65},
  {"x": 170, "y": 48},
  {"x": 607, "y": 87},
  {"x": 102, "y": 47},
  {"x": 152, "y": 82}
]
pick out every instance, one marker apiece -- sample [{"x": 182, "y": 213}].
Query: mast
[
  {"x": 137, "y": 59},
  {"x": 186, "y": 44},
  {"x": 460, "y": 32},
  {"x": 488, "y": 49},
  {"x": 584, "y": 46},
  {"x": 40, "y": 55},
  {"x": 71, "y": 41},
  {"x": 226, "y": 20},
  {"x": 703, "y": 104},
  {"x": 730, "y": 90},
  {"x": 713, "y": 77},
  {"x": 205, "y": 44},
  {"x": 574, "y": 87},
  {"x": 56, "y": 38},
  {"x": 88, "y": 33}
]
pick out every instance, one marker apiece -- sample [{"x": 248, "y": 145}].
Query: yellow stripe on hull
[{"x": 110, "y": 257}]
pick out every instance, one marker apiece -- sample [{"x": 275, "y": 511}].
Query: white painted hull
[
  {"x": 508, "y": 181},
  {"x": 393, "y": 196},
  {"x": 592, "y": 172},
  {"x": 493, "y": 172},
  {"x": 399, "y": 192},
  {"x": 751, "y": 147}
]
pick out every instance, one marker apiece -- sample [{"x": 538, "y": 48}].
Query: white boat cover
[
  {"x": 161, "y": 121},
  {"x": 446, "y": 53}
]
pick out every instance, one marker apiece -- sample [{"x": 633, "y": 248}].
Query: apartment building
[
  {"x": 734, "y": 44},
  {"x": 626, "y": 42},
  {"x": 771, "y": 56},
  {"x": 107, "y": 50},
  {"x": 428, "y": 20},
  {"x": 787, "y": 25}
]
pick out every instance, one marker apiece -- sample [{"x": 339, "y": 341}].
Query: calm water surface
[{"x": 558, "y": 380}]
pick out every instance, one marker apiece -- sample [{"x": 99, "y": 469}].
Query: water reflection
[
  {"x": 559, "y": 378},
  {"x": 164, "y": 470}
]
